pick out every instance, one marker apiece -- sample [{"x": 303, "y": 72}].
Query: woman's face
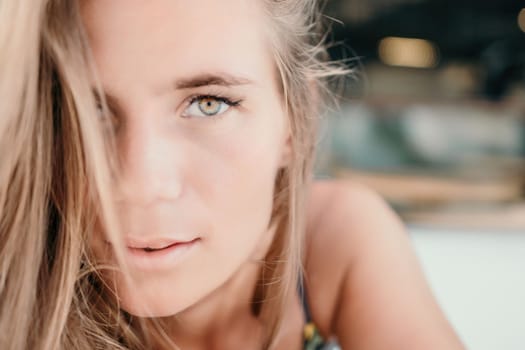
[{"x": 201, "y": 133}]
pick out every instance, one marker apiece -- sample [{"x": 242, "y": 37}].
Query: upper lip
[{"x": 153, "y": 243}]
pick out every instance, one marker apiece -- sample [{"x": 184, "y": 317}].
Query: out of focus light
[
  {"x": 521, "y": 20},
  {"x": 408, "y": 52}
]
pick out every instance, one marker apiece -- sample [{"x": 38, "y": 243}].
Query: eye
[
  {"x": 107, "y": 117},
  {"x": 208, "y": 106}
]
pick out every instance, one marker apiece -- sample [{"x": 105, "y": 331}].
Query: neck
[
  {"x": 215, "y": 316},
  {"x": 226, "y": 313}
]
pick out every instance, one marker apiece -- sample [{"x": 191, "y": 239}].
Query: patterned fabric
[{"x": 312, "y": 339}]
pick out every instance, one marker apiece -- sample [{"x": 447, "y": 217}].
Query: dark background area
[{"x": 485, "y": 33}]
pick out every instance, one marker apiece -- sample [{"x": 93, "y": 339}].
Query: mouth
[
  {"x": 149, "y": 250},
  {"x": 158, "y": 254},
  {"x": 155, "y": 245}
]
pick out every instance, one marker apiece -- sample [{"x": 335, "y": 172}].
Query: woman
[{"x": 155, "y": 192}]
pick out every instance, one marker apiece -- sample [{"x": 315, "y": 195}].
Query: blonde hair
[{"x": 55, "y": 173}]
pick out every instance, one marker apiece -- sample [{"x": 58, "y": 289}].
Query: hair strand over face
[{"x": 55, "y": 174}]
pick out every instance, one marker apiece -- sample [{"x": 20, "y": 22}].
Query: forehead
[{"x": 160, "y": 39}]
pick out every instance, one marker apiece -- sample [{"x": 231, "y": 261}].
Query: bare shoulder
[
  {"x": 362, "y": 275},
  {"x": 344, "y": 211},
  {"x": 340, "y": 216},
  {"x": 343, "y": 214}
]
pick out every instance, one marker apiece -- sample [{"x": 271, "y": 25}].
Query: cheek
[
  {"x": 230, "y": 176},
  {"x": 246, "y": 161}
]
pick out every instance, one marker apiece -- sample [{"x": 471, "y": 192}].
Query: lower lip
[{"x": 161, "y": 259}]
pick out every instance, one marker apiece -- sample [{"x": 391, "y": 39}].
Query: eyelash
[
  {"x": 192, "y": 99},
  {"x": 106, "y": 115},
  {"x": 218, "y": 97}
]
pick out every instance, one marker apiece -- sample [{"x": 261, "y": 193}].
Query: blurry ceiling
[{"x": 487, "y": 33}]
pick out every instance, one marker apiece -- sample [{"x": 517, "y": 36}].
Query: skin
[
  {"x": 364, "y": 280},
  {"x": 211, "y": 178},
  {"x": 184, "y": 174}
]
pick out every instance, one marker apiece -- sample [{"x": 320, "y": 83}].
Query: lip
[
  {"x": 158, "y": 254},
  {"x": 155, "y": 243}
]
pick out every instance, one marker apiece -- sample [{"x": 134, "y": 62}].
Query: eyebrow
[
  {"x": 222, "y": 79},
  {"x": 203, "y": 79}
]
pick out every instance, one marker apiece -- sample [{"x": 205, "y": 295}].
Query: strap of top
[
  {"x": 304, "y": 299},
  {"x": 312, "y": 339}
]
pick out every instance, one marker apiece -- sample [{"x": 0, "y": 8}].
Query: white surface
[{"x": 479, "y": 281}]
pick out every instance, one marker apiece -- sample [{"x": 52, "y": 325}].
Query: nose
[{"x": 150, "y": 167}]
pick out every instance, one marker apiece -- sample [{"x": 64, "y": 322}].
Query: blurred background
[{"x": 434, "y": 120}]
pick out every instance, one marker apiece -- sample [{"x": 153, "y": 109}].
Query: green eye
[{"x": 209, "y": 105}]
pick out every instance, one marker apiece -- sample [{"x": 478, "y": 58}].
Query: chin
[
  {"x": 173, "y": 292},
  {"x": 154, "y": 297},
  {"x": 140, "y": 306}
]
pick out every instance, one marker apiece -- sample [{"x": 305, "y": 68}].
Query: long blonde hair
[{"x": 55, "y": 171}]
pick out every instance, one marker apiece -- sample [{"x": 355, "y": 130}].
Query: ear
[{"x": 286, "y": 153}]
